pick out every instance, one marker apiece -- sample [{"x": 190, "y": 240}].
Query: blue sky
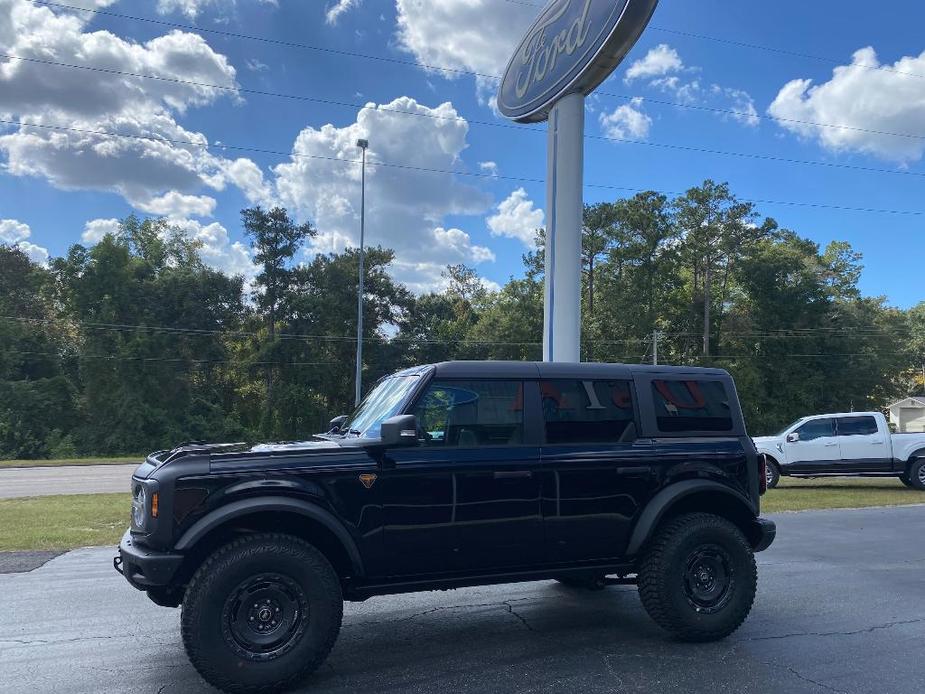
[{"x": 62, "y": 183}]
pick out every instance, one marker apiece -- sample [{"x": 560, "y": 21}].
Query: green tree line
[{"x": 135, "y": 344}]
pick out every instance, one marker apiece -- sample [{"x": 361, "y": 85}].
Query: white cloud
[
  {"x": 864, "y": 100},
  {"x": 659, "y": 61},
  {"x": 663, "y": 68},
  {"x": 474, "y": 35},
  {"x": 33, "y": 31},
  {"x": 147, "y": 163},
  {"x": 626, "y": 121},
  {"x": 96, "y": 229},
  {"x": 174, "y": 204},
  {"x": 217, "y": 249},
  {"x": 517, "y": 218},
  {"x": 489, "y": 167},
  {"x": 192, "y": 8},
  {"x": 12, "y": 231},
  {"x": 406, "y": 208},
  {"x": 247, "y": 176},
  {"x": 15, "y": 233},
  {"x": 340, "y": 7}
]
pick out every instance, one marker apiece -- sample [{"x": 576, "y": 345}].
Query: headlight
[{"x": 139, "y": 507}]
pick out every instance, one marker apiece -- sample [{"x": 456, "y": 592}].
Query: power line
[
  {"x": 262, "y": 39},
  {"x": 434, "y": 116},
  {"x": 747, "y": 114},
  {"x": 421, "y": 169},
  {"x": 122, "y": 327},
  {"x": 462, "y": 71},
  {"x": 783, "y": 51},
  {"x": 755, "y": 46}
]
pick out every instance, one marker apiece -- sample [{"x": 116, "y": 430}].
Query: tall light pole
[{"x": 363, "y": 145}]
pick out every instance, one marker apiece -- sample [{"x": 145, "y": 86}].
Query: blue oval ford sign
[{"x": 572, "y": 47}]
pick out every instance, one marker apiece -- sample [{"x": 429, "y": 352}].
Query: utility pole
[
  {"x": 362, "y": 144},
  {"x": 656, "y": 334}
]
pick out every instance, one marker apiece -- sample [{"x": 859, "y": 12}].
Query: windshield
[
  {"x": 383, "y": 402},
  {"x": 792, "y": 424}
]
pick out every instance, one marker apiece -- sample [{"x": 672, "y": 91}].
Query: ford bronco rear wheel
[
  {"x": 698, "y": 578},
  {"x": 261, "y": 614}
]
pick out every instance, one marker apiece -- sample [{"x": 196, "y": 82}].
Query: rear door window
[
  {"x": 691, "y": 405},
  {"x": 588, "y": 411},
  {"x": 857, "y": 426}
]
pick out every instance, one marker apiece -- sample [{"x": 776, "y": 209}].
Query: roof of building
[{"x": 913, "y": 400}]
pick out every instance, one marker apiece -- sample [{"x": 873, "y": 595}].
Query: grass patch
[
  {"x": 63, "y": 522},
  {"x": 137, "y": 460},
  {"x": 794, "y": 494}
]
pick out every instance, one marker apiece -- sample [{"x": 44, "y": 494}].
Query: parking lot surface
[{"x": 841, "y": 608}]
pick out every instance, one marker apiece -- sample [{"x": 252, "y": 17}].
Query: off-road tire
[
  {"x": 906, "y": 481},
  {"x": 916, "y": 474},
  {"x": 773, "y": 472},
  {"x": 663, "y": 586},
  {"x": 205, "y": 623}
]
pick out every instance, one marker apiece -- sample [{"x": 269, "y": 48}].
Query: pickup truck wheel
[
  {"x": 772, "y": 473},
  {"x": 916, "y": 474},
  {"x": 697, "y": 578},
  {"x": 261, "y": 614}
]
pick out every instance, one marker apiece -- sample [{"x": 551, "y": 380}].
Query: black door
[
  {"x": 598, "y": 474},
  {"x": 469, "y": 496}
]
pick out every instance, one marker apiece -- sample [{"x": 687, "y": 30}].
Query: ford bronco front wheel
[
  {"x": 697, "y": 578},
  {"x": 261, "y": 614}
]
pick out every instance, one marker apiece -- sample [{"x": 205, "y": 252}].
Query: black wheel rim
[
  {"x": 264, "y": 617},
  {"x": 708, "y": 578}
]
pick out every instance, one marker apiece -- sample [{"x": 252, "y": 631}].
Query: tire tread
[
  {"x": 652, "y": 572},
  {"x": 223, "y": 558}
]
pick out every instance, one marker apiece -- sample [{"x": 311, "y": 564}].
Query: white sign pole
[{"x": 565, "y": 208}]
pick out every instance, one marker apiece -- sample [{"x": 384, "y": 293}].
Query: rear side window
[
  {"x": 857, "y": 426},
  {"x": 691, "y": 406},
  {"x": 471, "y": 413},
  {"x": 588, "y": 411}
]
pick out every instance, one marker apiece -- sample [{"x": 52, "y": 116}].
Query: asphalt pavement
[
  {"x": 68, "y": 479},
  {"x": 841, "y": 608}
]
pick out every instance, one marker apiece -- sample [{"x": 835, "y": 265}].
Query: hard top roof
[{"x": 533, "y": 369}]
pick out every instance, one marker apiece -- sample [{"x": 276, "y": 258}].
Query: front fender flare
[
  {"x": 244, "y": 507},
  {"x": 662, "y": 502}
]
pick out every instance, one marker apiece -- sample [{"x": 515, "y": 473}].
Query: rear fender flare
[
  {"x": 261, "y": 504},
  {"x": 662, "y": 502}
]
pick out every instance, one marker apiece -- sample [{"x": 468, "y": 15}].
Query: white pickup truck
[{"x": 850, "y": 443}]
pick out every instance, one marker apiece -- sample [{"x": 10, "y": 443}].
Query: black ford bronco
[{"x": 450, "y": 475}]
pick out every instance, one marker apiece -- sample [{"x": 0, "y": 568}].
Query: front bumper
[
  {"x": 763, "y": 534},
  {"x": 143, "y": 567}
]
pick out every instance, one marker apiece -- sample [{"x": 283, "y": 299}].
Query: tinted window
[
  {"x": 857, "y": 426},
  {"x": 588, "y": 411},
  {"x": 471, "y": 413},
  {"x": 816, "y": 429},
  {"x": 691, "y": 406}
]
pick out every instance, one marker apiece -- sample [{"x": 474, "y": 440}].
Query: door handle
[
  {"x": 831, "y": 444},
  {"x": 512, "y": 474},
  {"x": 876, "y": 443}
]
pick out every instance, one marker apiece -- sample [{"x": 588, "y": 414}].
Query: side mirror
[
  {"x": 793, "y": 438},
  {"x": 338, "y": 422},
  {"x": 400, "y": 431}
]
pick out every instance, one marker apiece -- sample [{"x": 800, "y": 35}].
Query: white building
[{"x": 908, "y": 414}]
